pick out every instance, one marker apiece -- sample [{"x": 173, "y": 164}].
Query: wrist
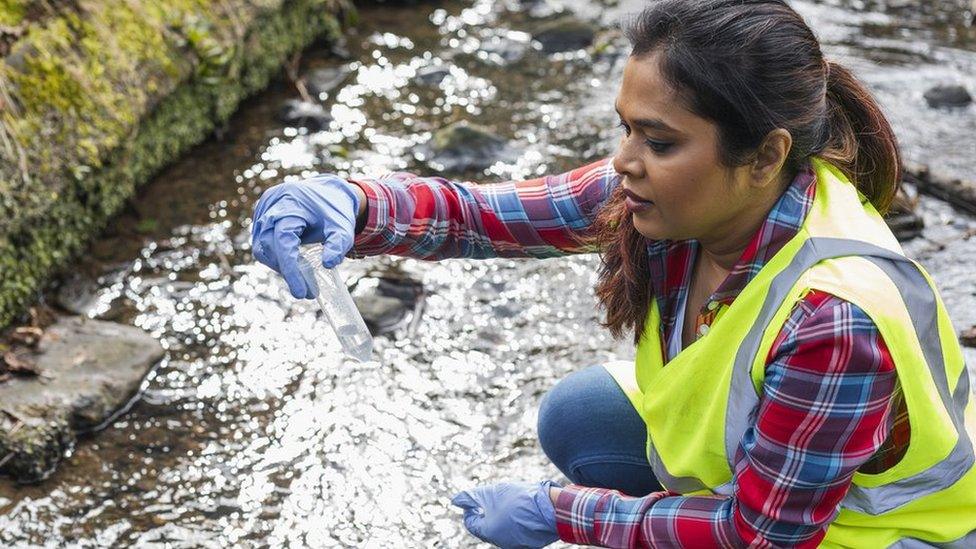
[
  {"x": 546, "y": 502},
  {"x": 362, "y": 212},
  {"x": 554, "y": 494}
]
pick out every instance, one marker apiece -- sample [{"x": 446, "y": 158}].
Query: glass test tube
[{"x": 340, "y": 310}]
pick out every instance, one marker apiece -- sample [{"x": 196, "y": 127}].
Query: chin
[{"x": 651, "y": 228}]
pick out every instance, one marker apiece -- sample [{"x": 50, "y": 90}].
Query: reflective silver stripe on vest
[
  {"x": 921, "y": 303},
  {"x": 966, "y": 542},
  {"x": 682, "y": 485}
]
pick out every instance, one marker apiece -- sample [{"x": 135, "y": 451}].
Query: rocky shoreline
[{"x": 95, "y": 98}]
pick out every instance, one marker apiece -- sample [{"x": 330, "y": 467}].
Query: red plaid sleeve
[{"x": 435, "y": 218}]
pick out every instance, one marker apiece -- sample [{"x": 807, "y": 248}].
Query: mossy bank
[{"x": 97, "y": 95}]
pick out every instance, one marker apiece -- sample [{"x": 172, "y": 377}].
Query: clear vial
[{"x": 340, "y": 310}]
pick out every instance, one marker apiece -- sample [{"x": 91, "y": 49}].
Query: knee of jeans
[{"x": 559, "y": 411}]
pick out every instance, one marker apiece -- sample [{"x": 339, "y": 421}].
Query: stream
[{"x": 255, "y": 432}]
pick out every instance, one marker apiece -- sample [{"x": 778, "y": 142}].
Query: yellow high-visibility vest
[{"x": 699, "y": 407}]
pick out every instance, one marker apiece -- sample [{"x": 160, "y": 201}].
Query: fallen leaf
[
  {"x": 19, "y": 365},
  {"x": 27, "y": 335}
]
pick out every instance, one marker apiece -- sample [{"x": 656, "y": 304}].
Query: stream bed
[{"x": 255, "y": 432}]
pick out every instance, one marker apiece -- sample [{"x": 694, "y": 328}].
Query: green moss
[
  {"x": 12, "y": 12},
  {"x": 33, "y": 451},
  {"x": 106, "y": 99}
]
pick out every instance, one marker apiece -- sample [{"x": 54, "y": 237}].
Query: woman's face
[{"x": 669, "y": 160}]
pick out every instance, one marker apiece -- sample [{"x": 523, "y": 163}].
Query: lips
[{"x": 634, "y": 203}]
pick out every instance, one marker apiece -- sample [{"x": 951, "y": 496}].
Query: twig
[{"x": 291, "y": 69}]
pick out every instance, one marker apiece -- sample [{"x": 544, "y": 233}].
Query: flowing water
[{"x": 255, "y": 432}]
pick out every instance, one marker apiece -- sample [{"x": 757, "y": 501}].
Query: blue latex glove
[
  {"x": 322, "y": 208},
  {"x": 511, "y": 515}
]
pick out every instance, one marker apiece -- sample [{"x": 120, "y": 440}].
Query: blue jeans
[{"x": 593, "y": 434}]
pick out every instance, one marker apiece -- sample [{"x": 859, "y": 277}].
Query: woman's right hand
[{"x": 322, "y": 209}]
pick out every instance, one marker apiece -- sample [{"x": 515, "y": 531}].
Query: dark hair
[{"x": 750, "y": 66}]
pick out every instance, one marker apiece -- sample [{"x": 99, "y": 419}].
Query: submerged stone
[
  {"x": 90, "y": 370},
  {"x": 504, "y": 49},
  {"x": 948, "y": 96},
  {"x": 432, "y": 75},
  {"x": 325, "y": 80},
  {"x": 565, "y": 33},
  {"x": 78, "y": 294},
  {"x": 302, "y": 114},
  {"x": 467, "y": 147},
  {"x": 387, "y": 306}
]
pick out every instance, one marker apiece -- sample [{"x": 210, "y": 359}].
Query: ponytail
[{"x": 860, "y": 141}]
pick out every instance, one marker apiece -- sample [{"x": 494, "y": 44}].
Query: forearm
[{"x": 435, "y": 218}]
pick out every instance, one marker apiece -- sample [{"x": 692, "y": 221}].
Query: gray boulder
[
  {"x": 90, "y": 370},
  {"x": 948, "y": 96}
]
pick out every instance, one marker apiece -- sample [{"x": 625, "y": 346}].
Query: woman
[{"x": 797, "y": 379}]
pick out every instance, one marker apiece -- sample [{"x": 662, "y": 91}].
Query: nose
[{"x": 626, "y": 161}]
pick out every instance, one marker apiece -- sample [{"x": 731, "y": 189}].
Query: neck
[{"x": 723, "y": 250}]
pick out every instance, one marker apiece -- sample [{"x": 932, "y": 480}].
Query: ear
[{"x": 770, "y": 157}]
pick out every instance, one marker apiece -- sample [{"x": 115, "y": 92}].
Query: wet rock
[
  {"x": 565, "y": 33},
  {"x": 466, "y": 147},
  {"x": 432, "y": 75},
  {"x": 78, "y": 294},
  {"x": 325, "y": 80},
  {"x": 968, "y": 337},
  {"x": 902, "y": 219},
  {"x": 958, "y": 192},
  {"x": 339, "y": 48},
  {"x": 948, "y": 96},
  {"x": 506, "y": 48},
  {"x": 90, "y": 369},
  {"x": 302, "y": 114},
  {"x": 380, "y": 312},
  {"x": 387, "y": 305},
  {"x": 906, "y": 226}
]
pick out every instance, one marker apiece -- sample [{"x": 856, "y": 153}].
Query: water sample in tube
[{"x": 340, "y": 310}]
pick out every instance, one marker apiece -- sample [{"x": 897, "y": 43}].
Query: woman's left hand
[{"x": 510, "y": 515}]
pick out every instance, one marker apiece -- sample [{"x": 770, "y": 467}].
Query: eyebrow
[{"x": 652, "y": 123}]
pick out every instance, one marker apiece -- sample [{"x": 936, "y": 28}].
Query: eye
[
  {"x": 658, "y": 146},
  {"x": 621, "y": 124}
]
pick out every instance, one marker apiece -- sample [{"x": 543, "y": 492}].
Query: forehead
[{"x": 645, "y": 93}]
